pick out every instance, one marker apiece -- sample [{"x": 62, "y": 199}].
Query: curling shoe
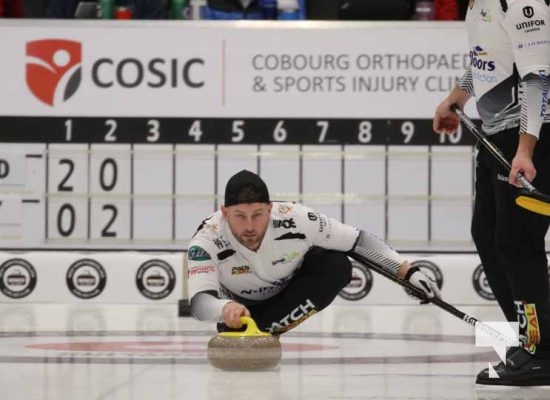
[
  {"x": 484, "y": 374},
  {"x": 521, "y": 369}
]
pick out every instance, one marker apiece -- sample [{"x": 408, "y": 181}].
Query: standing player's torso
[{"x": 492, "y": 64}]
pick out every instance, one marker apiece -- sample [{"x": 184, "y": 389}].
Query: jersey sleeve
[
  {"x": 466, "y": 82},
  {"x": 527, "y": 23},
  {"x": 326, "y": 232},
  {"x": 202, "y": 274},
  {"x": 534, "y": 103},
  {"x": 373, "y": 248}
]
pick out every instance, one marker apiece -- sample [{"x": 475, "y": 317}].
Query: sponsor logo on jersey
[
  {"x": 477, "y": 55},
  {"x": 284, "y": 209},
  {"x": 322, "y": 224},
  {"x": 485, "y": 16},
  {"x": 240, "y": 270},
  {"x": 531, "y": 25},
  {"x": 544, "y": 102},
  {"x": 314, "y": 216},
  {"x": 484, "y": 77},
  {"x": 212, "y": 226},
  {"x": 285, "y": 223},
  {"x": 221, "y": 243},
  {"x": 534, "y": 43},
  {"x": 197, "y": 253},
  {"x": 281, "y": 283},
  {"x": 202, "y": 269},
  {"x": 286, "y": 258}
]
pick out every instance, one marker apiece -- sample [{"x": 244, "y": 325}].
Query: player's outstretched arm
[{"x": 379, "y": 252}]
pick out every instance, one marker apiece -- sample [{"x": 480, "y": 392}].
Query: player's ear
[{"x": 224, "y": 211}]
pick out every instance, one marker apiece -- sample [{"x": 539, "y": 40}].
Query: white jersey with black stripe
[
  {"x": 217, "y": 262},
  {"x": 509, "y": 44}
]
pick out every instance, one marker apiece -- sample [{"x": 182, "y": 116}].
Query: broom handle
[
  {"x": 437, "y": 301},
  {"x": 490, "y": 146}
]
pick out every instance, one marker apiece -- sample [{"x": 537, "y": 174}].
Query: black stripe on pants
[
  {"x": 511, "y": 240},
  {"x": 323, "y": 274}
]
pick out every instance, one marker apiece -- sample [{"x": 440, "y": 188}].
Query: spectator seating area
[{"x": 355, "y": 10}]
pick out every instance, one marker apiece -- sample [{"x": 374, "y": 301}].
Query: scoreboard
[{"x": 148, "y": 182}]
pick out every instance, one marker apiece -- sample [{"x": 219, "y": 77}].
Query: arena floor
[{"x": 123, "y": 352}]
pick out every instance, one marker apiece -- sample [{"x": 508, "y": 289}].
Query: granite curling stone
[{"x": 250, "y": 350}]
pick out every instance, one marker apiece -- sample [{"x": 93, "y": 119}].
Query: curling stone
[{"x": 250, "y": 350}]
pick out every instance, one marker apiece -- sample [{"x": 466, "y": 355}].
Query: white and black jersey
[
  {"x": 221, "y": 269},
  {"x": 218, "y": 262},
  {"x": 509, "y": 44}
]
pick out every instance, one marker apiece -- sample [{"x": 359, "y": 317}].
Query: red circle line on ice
[
  {"x": 163, "y": 347},
  {"x": 157, "y": 346}
]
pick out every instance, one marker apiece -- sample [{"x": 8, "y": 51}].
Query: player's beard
[{"x": 251, "y": 240}]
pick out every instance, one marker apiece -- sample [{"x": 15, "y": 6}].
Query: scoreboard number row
[
  {"x": 227, "y": 131},
  {"x": 280, "y": 133}
]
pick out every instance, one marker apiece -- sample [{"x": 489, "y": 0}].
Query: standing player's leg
[
  {"x": 520, "y": 249},
  {"x": 484, "y": 227},
  {"x": 520, "y": 243}
]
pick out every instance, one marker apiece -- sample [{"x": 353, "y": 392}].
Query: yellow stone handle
[{"x": 251, "y": 329}]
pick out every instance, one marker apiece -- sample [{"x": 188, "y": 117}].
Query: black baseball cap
[{"x": 245, "y": 187}]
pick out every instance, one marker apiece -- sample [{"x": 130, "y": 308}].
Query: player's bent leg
[{"x": 323, "y": 274}]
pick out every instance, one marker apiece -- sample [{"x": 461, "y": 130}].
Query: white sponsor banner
[
  {"x": 460, "y": 277},
  {"x": 158, "y": 278},
  {"x": 99, "y": 277},
  {"x": 247, "y": 69}
]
